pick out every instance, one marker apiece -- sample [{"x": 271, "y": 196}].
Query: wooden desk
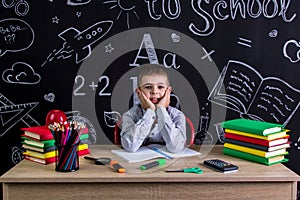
[{"x": 29, "y": 180}]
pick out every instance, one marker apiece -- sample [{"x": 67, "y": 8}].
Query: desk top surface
[{"x": 28, "y": 171}]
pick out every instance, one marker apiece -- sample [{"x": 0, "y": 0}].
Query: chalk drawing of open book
[{"x": 241, "y": 88}]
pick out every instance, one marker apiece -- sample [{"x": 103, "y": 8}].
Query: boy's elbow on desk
[
  {"x": 175, "y": 148},
  {"x": 131, "y": 150},
  {"x": 128, "y": 147}
]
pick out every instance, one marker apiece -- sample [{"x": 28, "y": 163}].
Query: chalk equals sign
[{"x": 245, "y": 42}]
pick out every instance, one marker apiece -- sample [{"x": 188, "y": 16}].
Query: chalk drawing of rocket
[{"x": 79, "y": 43}]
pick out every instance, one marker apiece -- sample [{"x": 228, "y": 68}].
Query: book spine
[
  {"x": 40, "y": 155},
  {"x": 247, "y": 139},
  {"x": 83, "y": 152},
  {"x": 246, "y": 134},
  {"x": 255, "y": 151},
  {"x": 250, "y": 157},
  {"x": 38, "y": 132},
  {"x": 40, "y": 160},
  {"x": 253, "y": 126},
  {"x": 246, "y": 144},
  {"x": 38, "y": 143},
  {"x": 38, "y": 149},
  {"x": 83, "y": 146},
  {"x": 243, "y": 129},
  {"x": 245, "y": 149},
  {"x": 84, "y": 136},
  {"x": 269, "y": 137},
  {"x": 266, "y": 143},
  {"x": 246, "y": 156}
]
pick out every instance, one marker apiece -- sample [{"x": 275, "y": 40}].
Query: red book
[
  {"x": 252, "y": 140},
  {"x": 38, "y": 132},
  {"x": 83, "y": 152},
  {"x": 40, "y": 160}
]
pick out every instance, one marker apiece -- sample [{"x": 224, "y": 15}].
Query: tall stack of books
[
  {"x": 39, "y": 144},
  {"x": 83, "y": 147},
  {"x": 256, "y": 141}
]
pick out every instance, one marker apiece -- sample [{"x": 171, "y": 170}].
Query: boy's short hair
[{"x": 152, "y": 69}]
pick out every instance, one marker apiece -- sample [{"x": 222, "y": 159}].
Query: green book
[
  {"x": 38, "y": 149},
  {"x": 254, "y": 158},
  {"x": 252, "y": 126},
  {"x": 84, "y": 136},
  {"x": 37, "y": 143}
]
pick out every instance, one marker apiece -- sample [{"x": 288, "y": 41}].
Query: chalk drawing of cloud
[
  {"x": 291, "y": 50},
  {"x": 21, "y": 73}
]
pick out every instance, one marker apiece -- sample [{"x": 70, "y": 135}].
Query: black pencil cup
[{"x": 67, "y": 159}]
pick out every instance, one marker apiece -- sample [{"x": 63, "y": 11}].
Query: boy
[{"x": 153, "y": 121}]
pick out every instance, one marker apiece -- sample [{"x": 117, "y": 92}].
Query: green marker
[{"x": 153, "y": 164}]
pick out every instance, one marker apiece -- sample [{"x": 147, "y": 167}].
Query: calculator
[{"x": 220, "y": 165}]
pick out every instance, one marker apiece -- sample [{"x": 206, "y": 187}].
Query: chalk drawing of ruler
[{"x": 11, "y": 114}]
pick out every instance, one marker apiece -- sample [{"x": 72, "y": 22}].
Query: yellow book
[
  {"x": 50, "y": 154},
  {"x": 268, "y": 137},
  {"x": 260, "y": 153},
  {"x": 82, "y": 147},
  {"x": 40, "y": 155}
]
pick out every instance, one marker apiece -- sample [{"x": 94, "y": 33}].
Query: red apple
[{"x": 57, "y": 116}]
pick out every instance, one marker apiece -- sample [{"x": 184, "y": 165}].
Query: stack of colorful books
[
  {"x": 83, "y": 148},
  {"x": 256, "y": 141},
  {"x": 39, "y": 144}
]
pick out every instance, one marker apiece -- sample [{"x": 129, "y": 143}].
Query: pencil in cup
[
  {"x": 67, "y": 159},
  {"x": 67, "y": 139}
]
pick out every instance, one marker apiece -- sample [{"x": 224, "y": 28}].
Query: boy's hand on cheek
[
  {"x": 165, "y": 101},
  {"x": 145, "y": 102}
]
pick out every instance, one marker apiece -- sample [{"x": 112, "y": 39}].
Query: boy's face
[{"x": 154, "y": 87}]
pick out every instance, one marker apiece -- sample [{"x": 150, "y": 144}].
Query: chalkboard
[{"x": 226, "y": 59}]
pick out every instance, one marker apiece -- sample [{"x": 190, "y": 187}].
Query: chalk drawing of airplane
[{"x": 81, "y": 42}]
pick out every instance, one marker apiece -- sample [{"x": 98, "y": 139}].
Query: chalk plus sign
[{"x": 93, "y": 85}]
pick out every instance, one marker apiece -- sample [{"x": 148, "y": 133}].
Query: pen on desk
[
  {"x": 196, "y": 170},
  {"x": 162, "y": 153},
  {"x": 153, "y": 164},
  {"x": 114, "y": 164}
]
